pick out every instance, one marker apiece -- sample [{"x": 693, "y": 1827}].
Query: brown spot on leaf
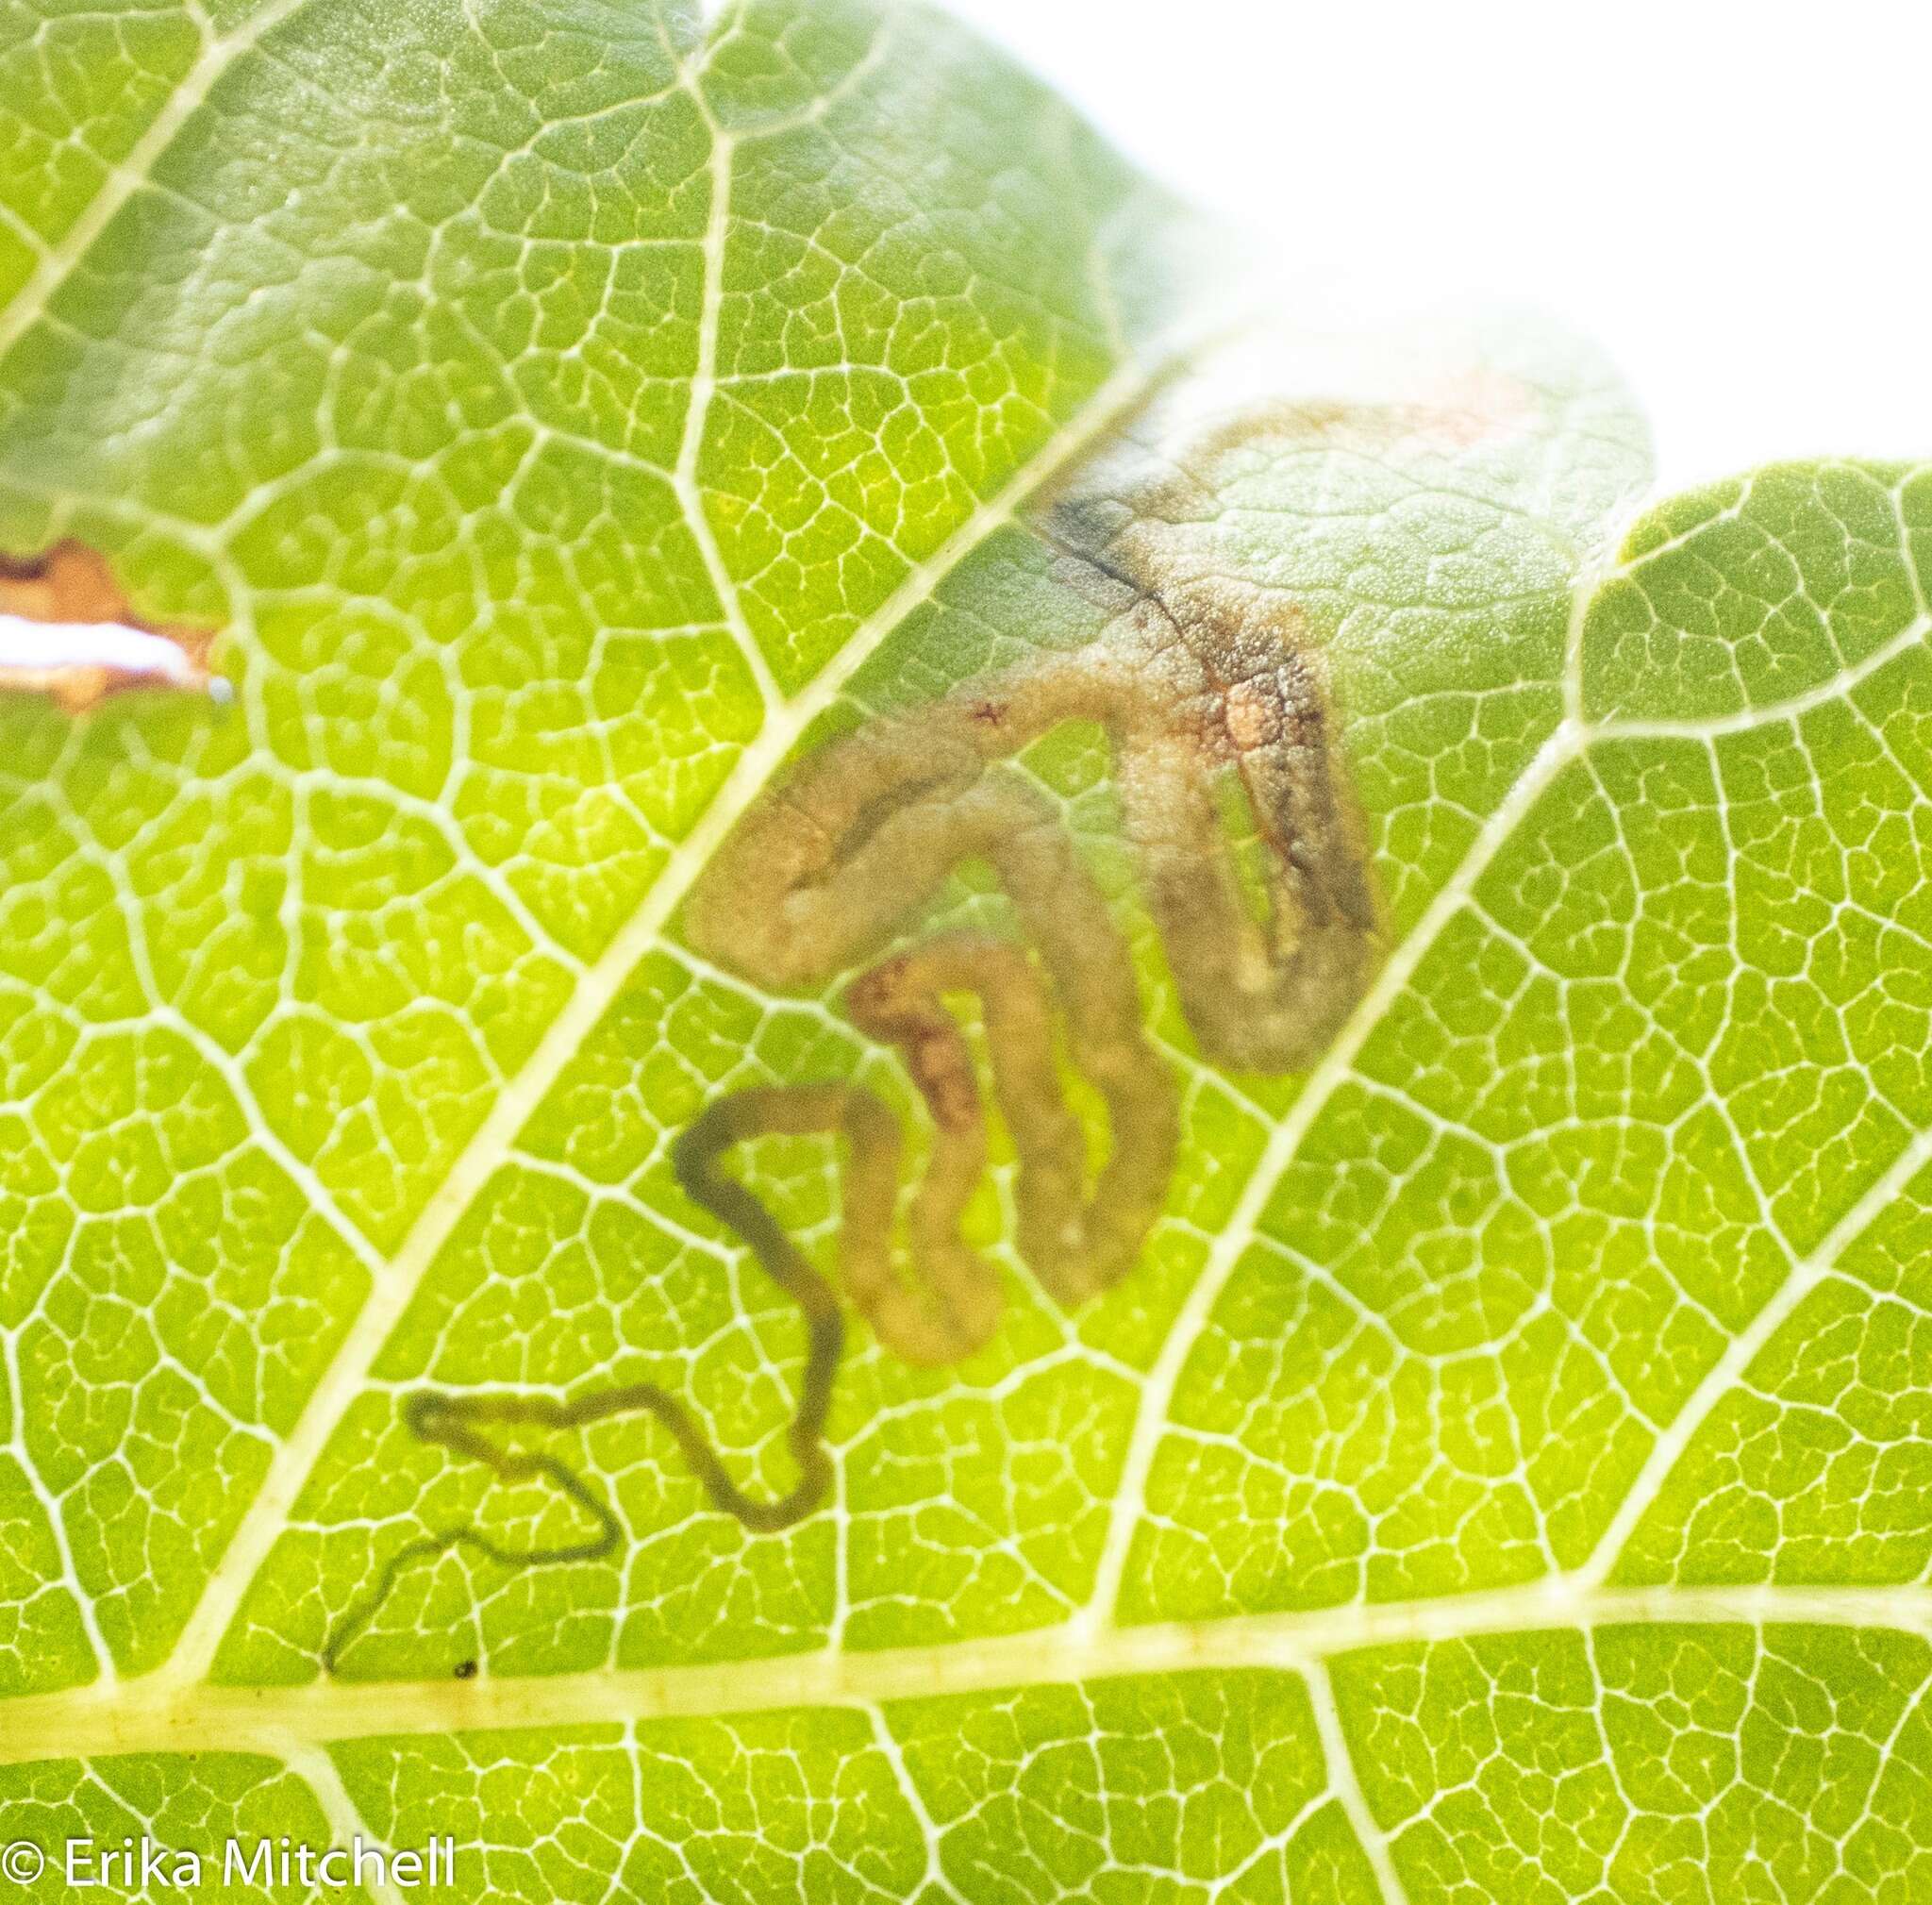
[
  {"x": 69, "y": 633},
  {"x": 1251, "y": 717}
]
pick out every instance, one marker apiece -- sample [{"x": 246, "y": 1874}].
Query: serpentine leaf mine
[{"x": 1203, "y": 685}]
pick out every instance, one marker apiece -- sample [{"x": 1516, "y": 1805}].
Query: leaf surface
[{"x": 1503, "y": 1473}]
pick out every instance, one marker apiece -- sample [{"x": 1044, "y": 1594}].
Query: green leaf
[{"x": 1504, "y": 1471}]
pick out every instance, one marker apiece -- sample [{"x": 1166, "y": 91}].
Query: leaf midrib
[{"x": 152, "y": 1714}]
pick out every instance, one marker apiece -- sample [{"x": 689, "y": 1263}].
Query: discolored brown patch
[
  {"x": 1251, "y": 723},
  {"x": 69, "y": 634}
]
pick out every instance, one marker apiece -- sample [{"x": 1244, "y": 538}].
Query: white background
[{"x": 1736, "y": 201}]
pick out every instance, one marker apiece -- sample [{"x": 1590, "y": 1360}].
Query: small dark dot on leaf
[{"x": 466, "y": 1670}]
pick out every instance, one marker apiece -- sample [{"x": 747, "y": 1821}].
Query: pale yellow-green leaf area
[{"x": 748, "y": 577}]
